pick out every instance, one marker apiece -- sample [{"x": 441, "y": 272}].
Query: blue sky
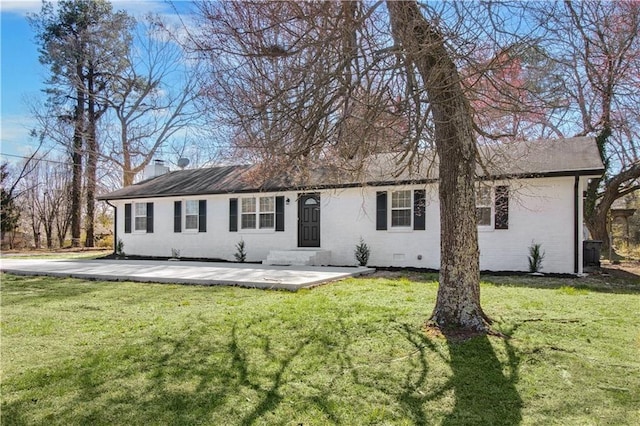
[{"x": 22, "y": 75}]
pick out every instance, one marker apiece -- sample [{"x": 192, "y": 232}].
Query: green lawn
[{"x": 352, "y": 353}]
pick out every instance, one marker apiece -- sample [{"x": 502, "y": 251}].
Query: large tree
[
  {"x": 422, "y": 49},
  {"x": 12, "y": 187},
  {"x": 151, "y": 100},
  {"x": 307, "y": 83},
  {"x": 82, "y": 41},
  {"x": 597, "y": 45},
  {"x": 9, "y": 212},
  {"x": 45, "y": 200}
]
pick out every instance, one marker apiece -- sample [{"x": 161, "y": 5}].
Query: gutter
[
  {"x": 576, "y": 223},
  {"x": 115, "y": 226}
]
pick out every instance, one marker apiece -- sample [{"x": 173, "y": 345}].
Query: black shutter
[
  {"x": 127, "y": 218},
  {"x": 202, "y": 216},
  {"x": 177, "y": 216},
  {"x": 381, "y": 210},
  {"x": 419, "y": 200},
  {"x": 150, "y": 218},
  {"x": 502, "y": 208},
  {"x": 279, "y": 213},
  {"x": 233, "y": 215}
]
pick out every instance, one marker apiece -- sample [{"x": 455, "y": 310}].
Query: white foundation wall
[{"x": 540, "y": 211}]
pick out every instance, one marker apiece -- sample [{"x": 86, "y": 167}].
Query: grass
[{"x": 353, "y": 352}]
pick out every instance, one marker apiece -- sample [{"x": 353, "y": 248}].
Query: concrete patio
[{"x": 183, "y": 272}]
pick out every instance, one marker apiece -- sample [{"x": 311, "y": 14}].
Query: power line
[{"x": 34, "y": 159}]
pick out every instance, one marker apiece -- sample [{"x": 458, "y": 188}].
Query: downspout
[
  {"x": 115, "y": 226},
  {"x": 576, "y": 223}
]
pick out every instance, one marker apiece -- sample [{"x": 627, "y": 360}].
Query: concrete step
[{"x": 303, "y": 257}]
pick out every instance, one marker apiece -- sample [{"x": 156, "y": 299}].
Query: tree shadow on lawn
[
  {"x": 190, "y": 377},
  {"x": 196, "y": 375},
  {"x": 484, "y": 394},
  {"x": 28, "y": 289}
]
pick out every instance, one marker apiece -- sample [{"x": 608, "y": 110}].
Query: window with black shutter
[
  {"x": 233, "y": 215},
  {"x": 381, "y": 210},
  {"x": 177, "y": 216},
  {"x": 127, "y": 218},
  {"x": 419, "y": 202},
  {"x": 279, "y": 214},
  {"x": 502, "y": 207},
  {"x": 202, "y": 216},
  {"x": 149, "y": 218}
]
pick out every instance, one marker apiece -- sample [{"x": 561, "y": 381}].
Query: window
[
  {"x": 401, "y": 208},
  {"x": 140, "y": 218},
  {"x": 191, "y": 214},
  {"x": 484, "y": 205},
  {"x": 248, "y": 220},
  {"x": 195, "y": 216},
  {"x": 257, "y": 213},
  {"x": 404, "y": 210},
  {"x": 267, "y": 212}
]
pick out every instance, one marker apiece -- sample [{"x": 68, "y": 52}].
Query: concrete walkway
[{"x": 199, "y": 273}]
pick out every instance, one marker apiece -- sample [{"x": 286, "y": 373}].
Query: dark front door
[{"x": 309, "y": 220}]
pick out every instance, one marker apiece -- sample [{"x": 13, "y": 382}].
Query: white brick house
[{"x": 535, "y": 194}]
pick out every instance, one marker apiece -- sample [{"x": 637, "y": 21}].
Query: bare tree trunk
[
  {"x": 596, "y": 214},
  {"x": 597, "y": 225},
  {"x": 35, "y": 230},
  {"x": 47, "y": 222},
  {"x": 92, "y": 161},
  {"x": 76, "y": 155},
  {"x": 458, "y": 302},
  {"x": 62, "y": 226},
  {"x": 128, "y": 175}
]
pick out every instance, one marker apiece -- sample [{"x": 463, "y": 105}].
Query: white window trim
[
  {"x": 404, "y": 228},
  {"x": 256, "y": 214},
  {"x": 135, "y": 215},
  {"x": 184, "y": 217},
  {"x": 491, "y": 206}
]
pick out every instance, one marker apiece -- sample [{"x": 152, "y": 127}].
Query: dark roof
[{"x": 562, "y": 157}]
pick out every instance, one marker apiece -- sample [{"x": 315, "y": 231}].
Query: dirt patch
[
  {"x": 624, "y": 269},
  {"x": 432, "y": 330}
]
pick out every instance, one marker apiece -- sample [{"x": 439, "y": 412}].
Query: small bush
[
  {"x": 536, "y": 255},
  {"x": 120, "y": 247},
  {"x": 175, "y": 253},
  {"x": 362, "y": 253},
  {"x": 105, "y": 242},
  {"x": 240, "y": 254}
]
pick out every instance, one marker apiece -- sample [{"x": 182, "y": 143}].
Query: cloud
[
  {"x": 22, "y": 7},
  {"x": 136, "y": 8},
  {"x": 14, "y": 133},
  {"x": 139, "y": 8}
]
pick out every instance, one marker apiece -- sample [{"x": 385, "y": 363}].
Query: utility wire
[{"x": 34, "y": 159}]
